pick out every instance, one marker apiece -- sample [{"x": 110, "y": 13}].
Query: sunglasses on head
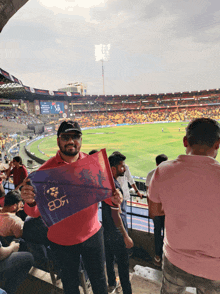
[{"x": 67, "y": 137}]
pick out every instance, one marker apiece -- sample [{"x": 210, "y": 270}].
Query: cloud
[{"x": 156, "y": 45}]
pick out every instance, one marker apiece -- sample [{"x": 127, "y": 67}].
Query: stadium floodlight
[{"x": 102, "y": 54}]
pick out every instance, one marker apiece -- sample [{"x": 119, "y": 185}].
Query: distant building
[{"x": 75, "y": 87}]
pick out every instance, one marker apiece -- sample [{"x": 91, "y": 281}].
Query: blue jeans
[
  {"x": 68, "y": 257},
  {"x": 115, "y": 248},
  {"x": 176, "y": 280},
  {"x": 158, "y": 238},
  {"x": 14, "y": 270}
]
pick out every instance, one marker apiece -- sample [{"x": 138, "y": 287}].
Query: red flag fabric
[{"x": 63, "y": 191}]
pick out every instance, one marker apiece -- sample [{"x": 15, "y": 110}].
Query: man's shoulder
[
  {"x": 49, "y": 163},
  {"x": 151, "y": 172},
  {"x": 82, "y": 155}
]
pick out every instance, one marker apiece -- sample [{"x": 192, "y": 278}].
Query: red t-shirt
[
  {"x": 19, "y": 174},
  {"x": 76, "y": 228},
  {"x": 1, "y": 178}
]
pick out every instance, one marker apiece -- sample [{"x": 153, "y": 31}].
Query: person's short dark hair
[
  {"x": 115, "y": 158},
  {"x": 160, "y": 158},
  {"x": 67, "y": 126},
  {"x": 12, "y": 197},
  {"x": 93, "y": 151},
  {"x": 18, "y": 159},
  {"x": 203, "y": 131}
]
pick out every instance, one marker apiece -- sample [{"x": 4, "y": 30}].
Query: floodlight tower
[
  {"x": 103, "y": 79},
  {"x": 102, "y": 54}
]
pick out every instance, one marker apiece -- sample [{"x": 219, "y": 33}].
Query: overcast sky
[{"x": 156, "y": 46}]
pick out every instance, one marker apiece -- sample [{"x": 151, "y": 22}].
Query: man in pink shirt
[
  {"x": 80, "y": 233},
  {"x": 187, "y": 189}
]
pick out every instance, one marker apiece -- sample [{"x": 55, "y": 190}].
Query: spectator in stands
[
  {"x": 14, "y": 266},
  {"x": 2, "y": 190},
  {"x": 11, "y": 226},
  {"x": 116, "y": 237},
  {"x": 188, "y": 190},
  {"x": 80, "y": 233},
  {"x": 123, "y": 182},
  {"x": 159, "y": 219},
  {"x": 18, "y": 170}
]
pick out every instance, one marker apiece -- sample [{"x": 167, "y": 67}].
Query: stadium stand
[{"x": 21, "y": 111}]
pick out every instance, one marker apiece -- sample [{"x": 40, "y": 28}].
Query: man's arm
[
  {"x": 119, "y": 224},
  {"x": 137, "y": 191},
  {"x": 132, "y": 182},
  {"x": 8, "y": 171},
  {"x": 155, "y": 209},
  {"x": 28, "y": 195},
  {"x": 117, "y": 197},
  {"x": 7, "y": 251}
]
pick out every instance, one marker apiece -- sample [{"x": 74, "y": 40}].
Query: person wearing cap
[{"x": 79, "y": 234}]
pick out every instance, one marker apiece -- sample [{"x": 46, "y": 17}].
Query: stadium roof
[
  {"x": 7, "y": 9},
  {"x": 13, "y": 88}
]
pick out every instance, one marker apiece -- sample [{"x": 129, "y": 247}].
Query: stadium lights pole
[{"x": 103, "y": 76}]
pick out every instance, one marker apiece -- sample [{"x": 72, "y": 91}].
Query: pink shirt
[
  {"x": 188, "y": 189},
  {"x": 74, "y": 229},
  {"x": 10, "y": 225}
]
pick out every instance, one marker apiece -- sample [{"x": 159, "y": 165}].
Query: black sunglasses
[{"x": 67, "y": 137}]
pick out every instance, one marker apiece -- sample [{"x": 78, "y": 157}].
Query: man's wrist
[{"x": 32, "y": 204}]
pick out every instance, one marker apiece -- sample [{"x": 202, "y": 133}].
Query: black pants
[
  {"x": 158, "y": 238},
  {"x": 115, "y": 248},
  {"x": 92, "y": 251},
  {"x": 14, "y": 270}
]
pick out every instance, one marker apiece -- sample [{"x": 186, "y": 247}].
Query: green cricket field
[{"x": 139, "y": 143}]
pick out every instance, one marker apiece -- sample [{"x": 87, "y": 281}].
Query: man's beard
[{"x": 67, "y": 153}]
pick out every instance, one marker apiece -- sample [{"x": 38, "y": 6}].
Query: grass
[{"x": 139, "y": 143}]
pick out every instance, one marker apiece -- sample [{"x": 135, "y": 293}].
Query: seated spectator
[
  {"x": 2, "y": 190},
  {"x": 11, "y": 226},
  {"x": 14, "y": 266}
]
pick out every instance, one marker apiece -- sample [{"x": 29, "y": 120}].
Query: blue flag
[{"x": 63, "y": 191}]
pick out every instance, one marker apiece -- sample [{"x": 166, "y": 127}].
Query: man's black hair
[
  {"x": 160, "y": 158},
  {"x": 115, "y": 158},
  {"x": 12, "y": 197},
  {"x": 18, "y": 159},
  {"x": 203, "y": 131},
  {"x": 93, "y": 151}
]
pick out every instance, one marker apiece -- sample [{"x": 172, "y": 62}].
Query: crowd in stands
[
  {"x": 137, "y": 102},
  {"x": 71, "y": 243},
  {"x": 18, "y": 116},
  {"x": 146, "y": 116},
  {"x": 92, "y": 111}
]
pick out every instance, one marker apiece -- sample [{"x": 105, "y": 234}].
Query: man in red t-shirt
[
  {"x": 80, "y": 233},
  {"x": 18, "y": 170}
]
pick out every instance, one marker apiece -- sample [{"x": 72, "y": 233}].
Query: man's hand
[
  {"x": 117, "y": 197},
  {"x": 140, "y": 195},
  {"x": 27, "y": 192},
  {"x": 128, "y": 242},
  {"x": 15, "y": 246}
]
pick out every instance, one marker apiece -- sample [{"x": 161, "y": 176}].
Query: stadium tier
[{"x": 40, "y": 110}]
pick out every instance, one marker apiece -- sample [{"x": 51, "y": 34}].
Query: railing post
[{"x": 131, "y": 209}]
